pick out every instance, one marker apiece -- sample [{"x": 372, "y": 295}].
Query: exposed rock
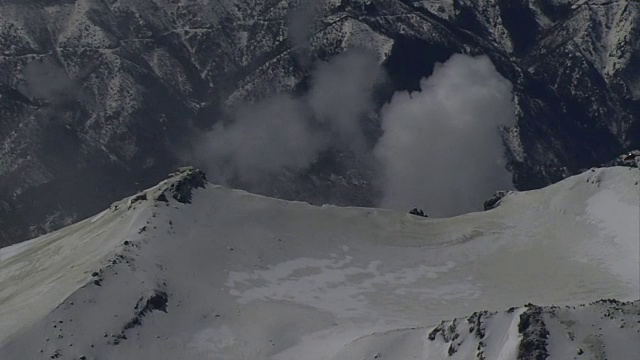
[
  {"x": 494, "y": 201},
  {"x": 533, "y": 345},
  {"x": 110, "y": 127},
  {"x": 630, "y": 159},
  {"x": 418, "y": 212},
  {"x": 477, "y": 325},
  {"x": 157, "y": 301},
  {"x": 182, "y": 184}
]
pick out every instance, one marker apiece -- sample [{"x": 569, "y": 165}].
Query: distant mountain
[
  {"x": 98, "y": 99},
  {"x": 187, "y": 269}
]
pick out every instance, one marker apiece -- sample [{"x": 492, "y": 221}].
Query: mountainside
[
  {"x": 190, "y": 269},
  {"x": 606, "y": 329},
  {"x": 101, "y": 98}
]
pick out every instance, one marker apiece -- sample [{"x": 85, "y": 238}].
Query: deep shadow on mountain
[{"x": 145, "y": 79}]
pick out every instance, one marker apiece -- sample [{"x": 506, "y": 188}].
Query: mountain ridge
[
  {"x": 139, "y": 77},
  {"x": 156, "y": 276}
]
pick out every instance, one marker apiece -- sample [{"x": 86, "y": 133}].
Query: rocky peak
[
  {"x": 178, "y": 186},
  {"x": 182, "y": 183}
]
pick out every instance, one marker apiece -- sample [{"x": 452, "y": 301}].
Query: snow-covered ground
[{"x": 233, "y": 275}]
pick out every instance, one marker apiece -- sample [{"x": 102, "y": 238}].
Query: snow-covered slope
[
  {"x": 606, "y": 329},
  {"x": 192, "y": 270}
]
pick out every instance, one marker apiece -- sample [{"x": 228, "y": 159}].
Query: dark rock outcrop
[
  {"x": 630, "y": 159},
  {"x": 533, "y": 345},
  {"x": 188, "y": 179},
  {"x": 157, "y": 301},
  {"x": 494, "y": 201},
  {"x": 136, "y": 80},
  {"x": 418, "y": 212}
]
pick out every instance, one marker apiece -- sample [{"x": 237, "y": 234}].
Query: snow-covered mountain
[
  {"x": 606, "y": 329},
  {"x": 98, "y": 98},
  {"x": 188, "y": 269}
]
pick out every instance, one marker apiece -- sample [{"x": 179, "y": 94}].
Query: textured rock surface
[
  {"x": 571, "y": 330},
  {"x": 98, "y": 98}
]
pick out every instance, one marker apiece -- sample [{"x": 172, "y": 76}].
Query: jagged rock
[
  {"x": 418, "y": 212},
  {"x": 494, "y": 201},
  {"x": 533, "y": 345},
  {"x": 186, "y": 180},
  {"x": 157, "y": 301},
  {"x": 477, "y": 324},
  {"x": 630, "y": 159}
]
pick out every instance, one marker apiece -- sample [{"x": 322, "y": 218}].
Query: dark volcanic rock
[
  {"x": 418, "y": 212},
  {"x": 157, "y": 301},
  {"x": 630, "y": 159},
  {"x": 188, "y": 180},
  {"x": 100, "y": 101},
  {"x": 494, "y": 201},
  {"x": 533, "y": 345}
]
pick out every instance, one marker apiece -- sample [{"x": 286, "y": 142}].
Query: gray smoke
[
  {"x": 265, "y": 138},
  {"x": 441, "y": 149},
  {"x": 340, "y": 94},
  {"x": 285, "y": 133}
]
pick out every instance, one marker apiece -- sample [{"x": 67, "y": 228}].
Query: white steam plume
[
  {"x": 264, "y": 138},
  {"x": 441, "y": 149},
  {"x": 284, "y": 133},
  {"x": 340, "y": 94}
]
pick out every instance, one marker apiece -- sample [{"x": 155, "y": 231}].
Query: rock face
[
  {"x": 494, "y": 201},
  {"x": 533, "y": 345},
  {"x": 570, "y": 329},
  {"x": 99, "y": 99},
  {"x": 630, "y": 159},
  {"x": 188, "y": 180},
  {"x": 418, "y": 212}
]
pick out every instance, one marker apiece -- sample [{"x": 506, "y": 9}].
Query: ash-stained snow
[
  {"x": 240, "y": 276},
  {"x": 34, "y": 285},
  {"x": 618, "y": 218}
]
